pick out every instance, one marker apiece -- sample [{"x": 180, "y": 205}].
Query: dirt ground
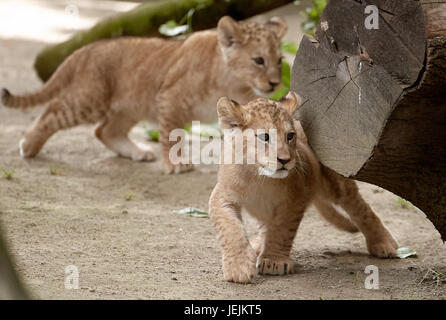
[{"x": 77, "y": 204}]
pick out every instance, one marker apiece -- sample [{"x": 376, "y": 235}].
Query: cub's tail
[
  {"x": 27, "y": 100},
  {"x": 60, "y": 79},
  {"x": 334, "y": 217}
]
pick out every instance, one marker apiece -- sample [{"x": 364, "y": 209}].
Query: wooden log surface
[
  {"x": 375, "y": 100},
  {"x": 146, "y": 19},
  {"x": 11, "y": 287}
]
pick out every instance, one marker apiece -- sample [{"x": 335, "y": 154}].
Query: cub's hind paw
[
  {"x": 170, "y": 168},
  {"x": 275, "y": 266}
]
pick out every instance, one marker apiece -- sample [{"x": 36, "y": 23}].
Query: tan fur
[
  {"x": 279, "y": 204},
  {"x": 120, "y": 82}
]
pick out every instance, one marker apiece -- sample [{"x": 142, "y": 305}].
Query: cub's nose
[
  {"x": 273, "y": 84},
  {"x": 283, "y": 161}
]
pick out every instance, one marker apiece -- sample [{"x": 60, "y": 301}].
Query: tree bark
[
  {"x": 11, "y": 287},
  {"x": 145, "y": 21},
  {"x": 375, "y": 100}
]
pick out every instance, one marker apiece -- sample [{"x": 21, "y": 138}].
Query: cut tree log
[
  {"x": 146, "y": 19},
  {"x": 11, "y": 287},
  {"x": 375, "y": 100}
]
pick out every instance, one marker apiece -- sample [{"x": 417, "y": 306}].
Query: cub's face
[
  {"x": 252, "y": 51},
  {"x": 273, "y": 128}
]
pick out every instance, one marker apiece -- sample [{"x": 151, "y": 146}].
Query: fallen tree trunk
[
  {"x": 145, "y": 21},
  {"x": 11, "y": 287},
  {"x": 375, "y": 100}
]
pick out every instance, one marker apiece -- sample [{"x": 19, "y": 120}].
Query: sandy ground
[{"x": 70, "y": 206}]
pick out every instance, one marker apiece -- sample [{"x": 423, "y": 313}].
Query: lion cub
[
  {"x": 117, "y": 83},
  {"x": 277, "y": 192}
]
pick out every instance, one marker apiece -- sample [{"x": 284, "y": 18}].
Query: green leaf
[
  {"x": 320, "y": 4},
  {"x": 192, "y": 212},
  {"x": 286, "y": 74},
  {"x": 129, "y": 196},
  {"x": 289, "y": 47},
  {"x": 153, "y": 135},
  {"x": 404, "y": 203},
  {"x": 7, "y": 173},
  {"x": 405, "y": 252},
  {"x": 313, "y": 15},
  {"x": 171, "y": 29},
  {"x": 189, "y": 16},
  {"x": 280, "y": 93},
  {"x": 285, "y": 88},
  {"x": 309, "y": 26},
  {"x": 207, "y": 130}
]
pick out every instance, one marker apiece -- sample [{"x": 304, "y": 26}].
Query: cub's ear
[
  {"x": 230, "y": 113},
  {"x": 299, "y": 131},
  {"x": 291, "y": 102},
  {"x": 278, "y": 26},
  {"x": 229, "y": 32}
]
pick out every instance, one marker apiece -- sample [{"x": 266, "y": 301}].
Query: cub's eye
[
  {"x": 263, "y": 137},
  {"x": 259, "y": 60},
  {"x": 290, "y": 136}
]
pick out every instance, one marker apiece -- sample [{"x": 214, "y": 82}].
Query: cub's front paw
[
  {"x": 170, "y": 168},
  {"x": 276, "y": 266},
  {"x": 383, "y": 247},
  {"x": 240, "y": 268}
]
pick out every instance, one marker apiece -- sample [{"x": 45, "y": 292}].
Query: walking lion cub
[
  {"x": 117, "y": 83},
  {"x": 277, "y": 192}
]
